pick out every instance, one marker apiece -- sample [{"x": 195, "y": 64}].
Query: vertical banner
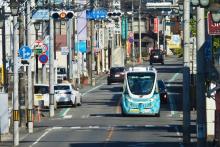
[
  {"x": 118, "y": 26},
  {"x": 156, "y": 25},
  {"x": 124, "y": 28},
  {"x": 101, "y": 38}
]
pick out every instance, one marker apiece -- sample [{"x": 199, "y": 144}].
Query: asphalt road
[{"x": 99, "y": 123}]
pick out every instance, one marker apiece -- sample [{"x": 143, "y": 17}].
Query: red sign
[
  {"x": 213, "y": 28},
  {"x": 156, "y": 25}
]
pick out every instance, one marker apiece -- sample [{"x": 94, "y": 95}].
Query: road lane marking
[
  {"x": 85, "y": 93},
  {"x": 172, "y": 103},
  {"x": 45, "y": 133},
  {"x": 173, "y": 107},
  {"x": 66, "y": 110},
  {"x": 110, "y": 132}
]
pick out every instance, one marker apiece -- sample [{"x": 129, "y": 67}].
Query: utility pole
[
  {"x": 132, "y": 27},
  {"x": 51, "y": 63},
  {"x": 200, "y": 80},
  {"x": 139, "y": 28},
  {"x": 186, "y": 74},
  {"x": 16, "y": 116},
  {"x": 5, "y": 81},
  {"x": 92, "y": 51},
  {"x": 30, "y": 102}
]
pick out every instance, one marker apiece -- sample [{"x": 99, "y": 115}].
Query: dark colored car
[
  {"x": 156, "y": 56},
  {"x": 162, "y": 91},
  {"x": 116, "y": 75}
]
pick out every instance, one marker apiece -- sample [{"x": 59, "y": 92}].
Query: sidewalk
[{"x": 6, "y": 140}]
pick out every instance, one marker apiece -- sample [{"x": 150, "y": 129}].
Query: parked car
[
  {"x": 41, "y": 93},
  {"x": 156, "y": 56},
  {"x": 162, "y": 91},
  {"x": 66, "y": 93},
  {"x": 116, "y": 75}
]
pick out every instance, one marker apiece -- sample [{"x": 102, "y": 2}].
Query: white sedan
[{"x": 66, "y": 93}]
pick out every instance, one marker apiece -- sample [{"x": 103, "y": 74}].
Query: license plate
[
  {"x": 134, "y": 110},
  {"x": 117, "y": 75},
  {"x": 155, "y": 56},
  {"x": 39, "y": 97}
]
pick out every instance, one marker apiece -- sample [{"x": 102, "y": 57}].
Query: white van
[{"x": 41, "y": 92}]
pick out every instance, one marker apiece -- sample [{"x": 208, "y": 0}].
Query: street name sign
[{"x": 40, "y": 14}]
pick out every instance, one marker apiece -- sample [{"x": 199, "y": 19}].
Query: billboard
[{"x": 156, "y": 24}]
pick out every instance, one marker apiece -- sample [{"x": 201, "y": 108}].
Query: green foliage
[
  {"x": 193, "y": 26},
  {"x": 178, "y": 52},
  {"x": 216, "y": 43}
]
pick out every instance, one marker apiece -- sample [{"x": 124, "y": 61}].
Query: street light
[
  {"x": 37, "y": 26},
  {"x": 14, "y": 5},
  {"x": 1, "y": 19}
]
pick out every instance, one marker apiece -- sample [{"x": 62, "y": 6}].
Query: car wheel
[
  {"x": 162, "y": 63},
  {"x": 80, "y": 103},
  {"x": 158, "y": 114},
  {"x": 150, "y": 63},
  {"x": 74, "y": 104},
  {"x": 109, "y": 83}
]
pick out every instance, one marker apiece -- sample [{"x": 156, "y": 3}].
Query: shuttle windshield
[{"x": 141, "y": 83}]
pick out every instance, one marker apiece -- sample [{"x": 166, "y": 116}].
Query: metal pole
[
  {"x": 44, "y": 68},
  {"x": 200, "y": 80},
  {"x": 15, "y": 92},
  {"x": 51, "y": 65},
  {"x": 36, "y": 60},
  {"x": 186, "y": 74},
  {"x": 30, "y": 103},
  {"x": 132, "y": 28},
  {"x": 139, "y": 28},
  {"x": 158, "y": 33},
  {"x": 69, "y": 43},
  {"x": 92, "y": 51},
  {"x": 5, "y": 81}
]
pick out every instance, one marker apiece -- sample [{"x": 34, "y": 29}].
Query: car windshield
[
  {"x": 41, "y": 89},
  {"x": 155, "y": 52},
  {"x": 61, "y": 71},
  {"x": 117, "y": 69},
  {"x": 61, "y": 87},
  {"x": 140, "y": 83}
]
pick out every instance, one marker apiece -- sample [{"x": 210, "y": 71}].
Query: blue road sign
[
  {"x": 43, "y": 58},
  {"x": 40, "y": 14},
  {"x": 25, "y": 52},
  {"x": 96, "y": 14}
]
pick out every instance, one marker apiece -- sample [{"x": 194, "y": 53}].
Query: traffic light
[
  {"x": 114, "y": 14},
  {"x": 62, "y": 14}
]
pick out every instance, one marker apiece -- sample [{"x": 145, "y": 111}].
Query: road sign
[
  {"x": 38, "y": 51},
  {"x": 213, "y": 28},
  {"x": 130, "y": 39},
  {"x": 64, "y": 50},
  {"x": 25, "y": 53},
  {"x": 43, "y": 58},
  {"x": 40, "y": 14}
]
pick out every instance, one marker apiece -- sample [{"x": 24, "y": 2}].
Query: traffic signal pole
[{"x": 186, "y": 74}]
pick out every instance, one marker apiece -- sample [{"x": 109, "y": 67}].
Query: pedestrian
[{"x": 65, "y": 80}]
